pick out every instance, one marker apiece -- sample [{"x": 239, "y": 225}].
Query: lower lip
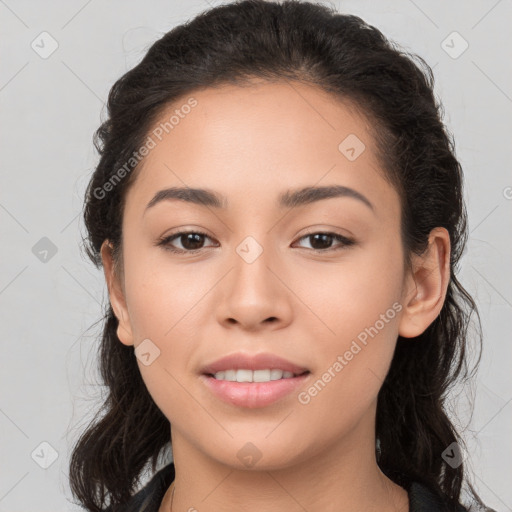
[{"x": 253, "y": 394}]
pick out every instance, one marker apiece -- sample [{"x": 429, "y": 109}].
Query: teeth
[
  {"x": 230, "y": 375},
  {"x": 263, "y": 375},
  {"x": 275, "y": 374},
  {"x": 253, "y": 376},
  {"x": 244, "y": 376}
]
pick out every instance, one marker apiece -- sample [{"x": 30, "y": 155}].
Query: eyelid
[{"x": 331, "y": 230}]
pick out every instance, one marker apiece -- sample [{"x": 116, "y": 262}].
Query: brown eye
[
  {"x": 322, "y": 242},
  {"x": 191, "y": 241}
]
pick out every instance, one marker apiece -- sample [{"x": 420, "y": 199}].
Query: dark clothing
[{"x": 149, "y": 498}]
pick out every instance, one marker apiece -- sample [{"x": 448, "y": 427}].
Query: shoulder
[
  {"x": 149, "y": 498},
  {"x": 423, "y": 499}
]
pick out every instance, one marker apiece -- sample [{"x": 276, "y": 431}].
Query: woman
[{"x": 279, "y": 214}]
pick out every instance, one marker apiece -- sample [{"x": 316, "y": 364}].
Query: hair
[{"x": 303, "y": 42}]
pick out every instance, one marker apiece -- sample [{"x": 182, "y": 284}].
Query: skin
[{"x": 250, "y": 144}]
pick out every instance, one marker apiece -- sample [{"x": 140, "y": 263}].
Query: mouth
[
  {"x": 251, "y": 394},
  {"x": 244, "y": 367},
  {"x": 253, "y": 381},
  {"x": 247, "y": 375}
]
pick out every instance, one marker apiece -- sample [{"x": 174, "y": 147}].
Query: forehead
[{"x": 260, "y": 138}]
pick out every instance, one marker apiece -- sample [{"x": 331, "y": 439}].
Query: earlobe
[
  {"x": 426, "y": 286},
  {"x": 116, "y": 295}
]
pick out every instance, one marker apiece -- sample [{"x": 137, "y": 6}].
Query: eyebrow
[{"x": 292, "y": 198}]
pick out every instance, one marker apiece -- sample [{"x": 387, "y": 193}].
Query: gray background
[{"x": 50, "y": 108}]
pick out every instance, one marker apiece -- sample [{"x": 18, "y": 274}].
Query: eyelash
[{"x": 165, "y": 241}]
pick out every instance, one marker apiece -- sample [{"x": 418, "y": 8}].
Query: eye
[
  {"x": 191, "y": 241},
  {"x": 322, "y": 239}
]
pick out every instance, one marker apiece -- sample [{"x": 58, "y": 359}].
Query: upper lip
[{"x": 261, "y": 361}]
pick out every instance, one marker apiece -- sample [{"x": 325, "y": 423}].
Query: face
[{"x": 318, "y": 283}]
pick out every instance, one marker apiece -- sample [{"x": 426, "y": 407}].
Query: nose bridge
[
  {"x": 252, "y": 261},
  {"x": 253, "y": 293}
]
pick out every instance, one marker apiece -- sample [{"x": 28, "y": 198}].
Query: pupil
[
  {"x": 324, "y": 237},
  {"x": 194, "y": 237}
]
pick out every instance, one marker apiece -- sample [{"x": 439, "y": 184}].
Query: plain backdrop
[{"x": 58, "y": 62}]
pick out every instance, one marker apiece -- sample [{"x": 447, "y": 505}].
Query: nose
[{"x": 254, "y": 294}]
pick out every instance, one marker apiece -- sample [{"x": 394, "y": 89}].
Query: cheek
[
  {"x": 352, "y": 367},
  {"x": 165, "y": 307},
  {"x": 357, "y": 311},
  {"x": 347, "y": 296},
  {"x": 161, "y": 300}
]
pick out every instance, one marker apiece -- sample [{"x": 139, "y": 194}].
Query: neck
[{"x": 343, "y": 478}]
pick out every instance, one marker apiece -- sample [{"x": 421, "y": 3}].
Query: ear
[
  {"x": 116, "y": 294},
  {"x": 426, "y": 285}
]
